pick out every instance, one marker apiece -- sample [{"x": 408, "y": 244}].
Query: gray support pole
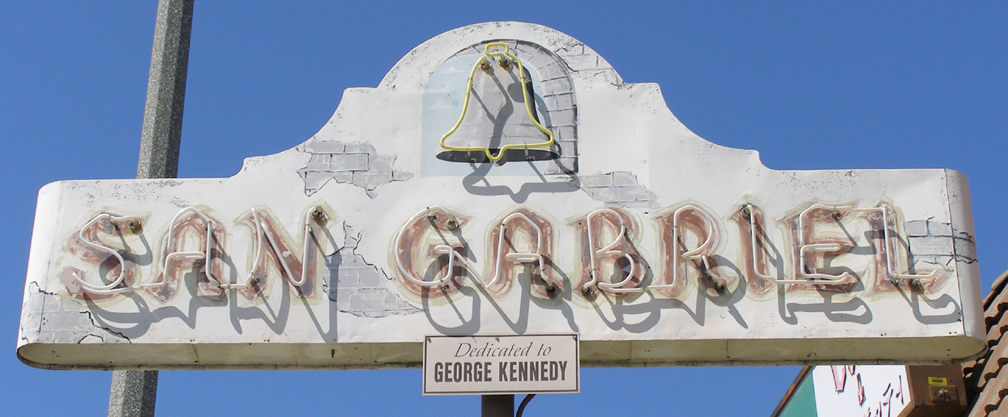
[
  {"x": 134, "y": 393},
  {"x": 497, "y": 406},
  {"x": 162, "y": 124}
]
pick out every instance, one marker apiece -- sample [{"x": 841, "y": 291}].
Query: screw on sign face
[{"x": 503, "y": 179}]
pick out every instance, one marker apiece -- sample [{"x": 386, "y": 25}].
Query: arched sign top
[
  {"x": 411, "y": 72},
  {"x": 502, "y": 179},
  {"x": 428, "y": 90}
]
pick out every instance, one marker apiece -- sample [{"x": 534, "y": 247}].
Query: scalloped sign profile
[{"x": 503, "y": 180}]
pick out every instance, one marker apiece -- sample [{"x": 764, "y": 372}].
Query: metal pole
[
  {"x": 497, "y": 406},
  {"x": 162, "y": 124},
  {"x": 134, "y": 393}
]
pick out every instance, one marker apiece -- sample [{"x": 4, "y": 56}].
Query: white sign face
[
  {"x": 503, "y": 179},
  {"x": 501, "y": 364},
  {"x": 876, "y": 390}
]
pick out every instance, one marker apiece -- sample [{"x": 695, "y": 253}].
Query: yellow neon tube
[{"x": 528, "y": 107}]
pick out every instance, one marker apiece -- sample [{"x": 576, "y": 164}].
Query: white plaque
[{"x": 546, "y": 363}]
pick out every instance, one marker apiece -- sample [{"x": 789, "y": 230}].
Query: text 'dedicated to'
[{"x": 501, "y": 364}]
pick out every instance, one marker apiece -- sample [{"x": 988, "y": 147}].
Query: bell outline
[{"x": 528, "y": 109}]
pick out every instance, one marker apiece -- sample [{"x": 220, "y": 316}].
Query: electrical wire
[{"x": 521, "y": 407}]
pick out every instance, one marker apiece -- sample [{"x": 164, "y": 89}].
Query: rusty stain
[
  {"x": 438, "y": 226},
  {"x": 172, "y": 279},
  {"x": 103, "y": 260},
  {"x": 883, "y": 282},
  {"x": 434, "y": 223},
  {"x": 543, "y": 278},
  {"x": 820, "y": 216},
  {"x": 284, "y": 250},
  {"x": 753, "y": 268},
  {"x": 690, "y": 220},
  {"x": 601, "y": 222}
]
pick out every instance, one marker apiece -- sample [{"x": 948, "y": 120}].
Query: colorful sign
[
  {"x": 503, "y": 180},
  {"x": 850, "y": 390}
]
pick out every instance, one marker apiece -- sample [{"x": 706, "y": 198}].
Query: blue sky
[{"x": 856, "y": 85}]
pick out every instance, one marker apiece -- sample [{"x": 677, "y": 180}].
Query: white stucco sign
[{"x": 503, "y": 180}]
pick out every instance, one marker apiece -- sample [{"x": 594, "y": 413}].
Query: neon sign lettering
[{"x": 431, "y": 257}]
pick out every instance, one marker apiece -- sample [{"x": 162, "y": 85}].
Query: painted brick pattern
[
  {"x": 581, "y": 58},
  {"x": 938, "y": 243},
  {"x": 558, "y": 102},
  {"x": 557, "y": 92},
  {"x": 361, "y": 288},
  {"x": 354, "y": 163},
  {"x": 67, "y": 321},
  {"x": 618, "y": 188}
]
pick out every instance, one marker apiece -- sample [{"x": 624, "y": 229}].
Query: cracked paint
[
  {"x": 361, "y": 288},
  {"x": 618, "y": 188},
  {"x": 354, "y": 163},
  {"x": 63, "y": 320},
  {"x": 939, "y": 243},
  {"x": 674, "y": 286}
]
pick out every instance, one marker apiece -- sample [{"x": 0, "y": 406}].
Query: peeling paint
[
  {"x": 63, "y": 320},
  {"x": 939, "y": 243},
  {"x": 661, "y": 288},
  {"x": 354, "y": 163},
  {"x": 361, "y": 288},
  {"x": 618, "y": 188}
]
